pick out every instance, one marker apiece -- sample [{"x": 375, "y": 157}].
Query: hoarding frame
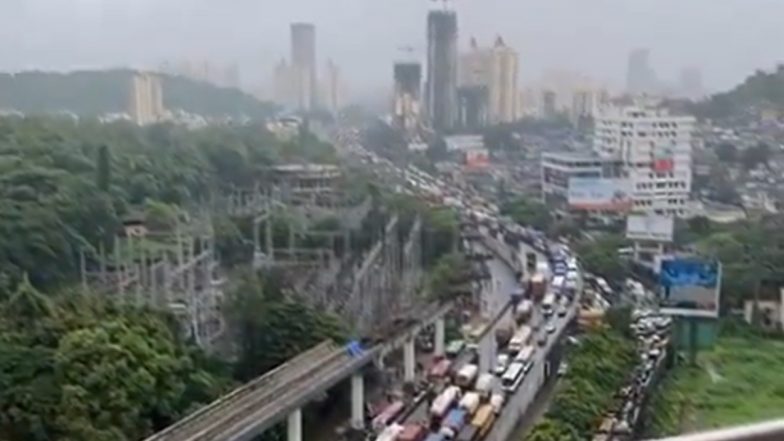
[
  {"x": 651, "y": 222},
  {"x": 691, "y": 312}
]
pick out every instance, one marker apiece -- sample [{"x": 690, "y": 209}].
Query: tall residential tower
[
  {"x": 303, "y": 65},
  {"x": 146, "y": 99},
  {"x": 441, "y": 86}
]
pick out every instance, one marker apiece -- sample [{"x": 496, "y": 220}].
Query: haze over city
[{"x": 727, "y": 39}]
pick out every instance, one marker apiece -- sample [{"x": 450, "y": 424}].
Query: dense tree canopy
[
  {"x": 76, "y": 367},
  {"x": 597, "y": 370},
  {"x": 66, "y": 186}
]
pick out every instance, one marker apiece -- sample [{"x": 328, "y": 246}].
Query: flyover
[{"x": 281, "y": 393}]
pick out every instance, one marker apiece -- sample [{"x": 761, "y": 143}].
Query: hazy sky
[{"x": 728, "y": 39}]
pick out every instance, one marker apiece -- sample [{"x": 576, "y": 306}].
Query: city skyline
[{"x": 544, "y": 35}]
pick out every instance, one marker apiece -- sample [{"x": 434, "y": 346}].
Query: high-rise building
[
  {"x": 407, "y": 103},
  {"x": 146, "y": 99},
  {"x": 503, "y": 83},
  {"x": 691, "y": 83},
  {"x": 284, "y": 85},
  {"x": 493, "y": 70},
  {"x": 640, "y": 76},
  {"x": 583, "y": 106},
  {"x": 549, "y": 104},
  {"x": 332, "y": 90},
  {"x": 303, "y": 65},
  {"x": 441, "y": 86},
  {"x": 655, "y": 149}
]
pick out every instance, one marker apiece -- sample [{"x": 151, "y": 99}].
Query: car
[
  {"x": 550, "y": 328},
  {"x": 542, "y": 340},
  {"x": 562, "y": 311},
  {"x": 562, "y": 369}
]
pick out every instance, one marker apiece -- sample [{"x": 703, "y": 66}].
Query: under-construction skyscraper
[{"x": 441, "y": 94}]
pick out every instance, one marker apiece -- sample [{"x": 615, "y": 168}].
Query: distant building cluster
[
  {"x": 641, "y": 79},
  {"x": 296, "y": 81},
  {"x": 208, "y": 72},
  {"x": 641, "y": 162}
]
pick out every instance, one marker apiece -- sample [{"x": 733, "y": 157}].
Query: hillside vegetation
[
  {"x": 760, "y": 90},
  {"x": 92, "y": 93},
  {"x": 76, "y": 366},
  {"x": 739, "y": 381}
]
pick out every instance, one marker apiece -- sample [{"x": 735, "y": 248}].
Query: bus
[
  {"x": 512, "y": 377},
  {"x": 548, "y": 303},
  {"x": 520, "y": 339}
]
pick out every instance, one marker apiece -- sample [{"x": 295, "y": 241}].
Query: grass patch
[{"x": 740, "y": 381}]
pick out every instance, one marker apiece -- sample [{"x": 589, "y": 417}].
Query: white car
[{"x": 550, "y": 328}]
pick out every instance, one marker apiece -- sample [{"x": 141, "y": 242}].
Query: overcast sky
[{"x": 727, "y": 39}]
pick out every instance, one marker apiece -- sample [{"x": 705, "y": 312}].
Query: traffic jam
[{"x": 463, "y": 403}]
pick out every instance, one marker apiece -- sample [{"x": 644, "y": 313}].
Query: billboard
[
  {"x": 606, "y": 194},
  {"x": 663, "y": 160},
  {"x": 477, "y": 158},
  {"x": 650, "y": 228},
  {"x": 690, "y": 287}
]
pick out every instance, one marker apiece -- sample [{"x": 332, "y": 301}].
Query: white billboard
[
  {"x": 650, "y": 227},
  {"x": 605, "y": 194}
]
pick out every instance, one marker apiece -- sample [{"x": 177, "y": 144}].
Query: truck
[
  {"x": 548, "y": 304},
  {"x": 439, "y": 370},
  {"x": 467, "y": 375},
  {"x": 520, "y": 339},
  {"x": 537, "y": 286},
  {"x": 497, "y": 401},
  {"x": 469, "y": 402},
  {"x": 526, "y": 354},
  {"x": 390, "y": 433},
  {"x": 435, "y": 437},
  {"x": 454, "y": 422},
  {"x": 444, "y": 401},
  {"x": 388, "y": 414},
  {"x": 503, "y": 334},
  {"x": 485, "y": 383},
  {"x": 523, "y": 311},
  {"x": 484, "y": 419},
  {"x": 412, "y": 432},
  {"x": 469, "y": 433}
]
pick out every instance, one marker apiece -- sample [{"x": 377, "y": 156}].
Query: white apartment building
[
  {"x": 145, "y": 104},
  {"x": 654, "y": 148}
]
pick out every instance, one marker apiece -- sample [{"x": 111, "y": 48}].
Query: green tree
[
  {"x": 103, "y": 177},
  {"x": 529, "y": 213},
  {"x": 727, "y": 152}
]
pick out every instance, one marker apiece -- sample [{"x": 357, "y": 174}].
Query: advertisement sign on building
[
  {"x": 606, "y": 194},
  {"x": 650, "y": 228},
  {"x": 690, "y": 287},
  {"x": 477, "y": 158},
  {"x": 663, "y": 160}
]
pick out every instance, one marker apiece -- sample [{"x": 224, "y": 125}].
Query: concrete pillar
[
  {"x": 357, "y": 401},
  {"x": 409, "y": 361},
  {"x": 438, "y": 343},
  {"x": 294, "y": 426}
]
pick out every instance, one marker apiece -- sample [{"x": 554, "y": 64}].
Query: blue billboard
[{"x": 690, "y": 287}]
